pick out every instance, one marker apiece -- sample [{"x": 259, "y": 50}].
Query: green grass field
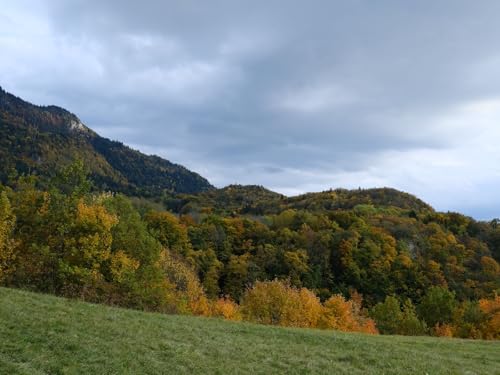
[{"x": 42, "y": 334}]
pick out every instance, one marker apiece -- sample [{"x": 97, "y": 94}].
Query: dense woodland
[{"x": 376, "y": 261}]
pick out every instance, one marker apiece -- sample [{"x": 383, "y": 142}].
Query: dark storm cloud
[{"x": 293, "y": 95}]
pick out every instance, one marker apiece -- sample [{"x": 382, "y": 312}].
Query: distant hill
[
  {"x": 348, "y": 199},
  {"x": 42, "y": 139},
  {"x": 257, "y": 200}
]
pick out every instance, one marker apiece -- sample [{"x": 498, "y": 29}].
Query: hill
[
  {"x": 257, "y": 200},
  {"x": 232, "y": 199},
  {"x": 43, "y": 334},
  {"x": 40, "y": 140}
]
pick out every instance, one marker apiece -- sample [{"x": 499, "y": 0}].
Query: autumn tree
[
  {"x": 278, "y": 303},
  {"x": 185, "y": 293},
  {"x": 85, "y": 249},
  {"x": 226, "y": 308},
  {"x": 167, "y": 229},
  {"x": 7, "y": 222},
  {"x": 468, "y": 320},
  {"x": 491, "y": 310},
  {"x": 345, "y": 315}
]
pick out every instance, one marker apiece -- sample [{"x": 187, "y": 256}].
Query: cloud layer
[{"x": 296, "y": 96}]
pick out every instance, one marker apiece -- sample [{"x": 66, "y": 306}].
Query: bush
[
  {"x": 392, "y": 320},
  {"x": 226, "y": 308},
  {"x": 278, "y": 303},
  {"x": 343, "y": 315}
]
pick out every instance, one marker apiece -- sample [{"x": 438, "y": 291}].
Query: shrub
[
  {"x": 344, "y": 315},
  {"x": 278, "y": 303},
  {"x": 226, "y": 308},
  {"x": 443, "y": 330},
  {"x": 392, "y": 320}
]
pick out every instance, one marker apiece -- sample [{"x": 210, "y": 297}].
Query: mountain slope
[
  {"x": 39, "y": 140},
  {"x": 48, "y": 335}
]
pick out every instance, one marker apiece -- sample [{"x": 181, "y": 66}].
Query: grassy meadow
[{"x": 42, "y": 334}]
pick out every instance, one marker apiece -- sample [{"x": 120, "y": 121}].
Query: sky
[{"x": 297, "y": 96}]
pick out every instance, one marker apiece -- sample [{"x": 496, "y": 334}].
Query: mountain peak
[{"x": 45, "y": 118}]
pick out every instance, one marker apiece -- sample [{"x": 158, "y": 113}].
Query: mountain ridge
[
  {"x": 117, "y": 167},
  {"x": 41, "y": 139}
]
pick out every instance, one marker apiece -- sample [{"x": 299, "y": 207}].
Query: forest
[{"x": 373, "y": 261}]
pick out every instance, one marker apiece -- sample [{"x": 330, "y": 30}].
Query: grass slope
[{"x": 47, "y": 335}]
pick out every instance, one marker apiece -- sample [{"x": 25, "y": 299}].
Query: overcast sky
[{"x": 297, "y": 96}]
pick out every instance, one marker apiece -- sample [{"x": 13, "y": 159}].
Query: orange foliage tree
[
  {"x": 226, "y": 308},
  {"x": 491, "y": 309},
  {"x": 278, "y": 303},
  {"x": 345, "y": 315}
]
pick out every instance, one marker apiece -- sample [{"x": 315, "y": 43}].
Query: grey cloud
[{"x": 288, "y": 94}]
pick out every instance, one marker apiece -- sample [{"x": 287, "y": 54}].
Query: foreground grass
[{"x": 41, "y": 334}]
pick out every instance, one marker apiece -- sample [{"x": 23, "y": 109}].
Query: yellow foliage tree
[
  {"x": 169, "y": 231},
  {"x": 226, "y": 308},
  {"x": 123, "y": 266},
  {"x": 87, "y": 247},
  {"x": 278, "y": 303},
  {"x": 188, "y": 293},
  {"x": 344, "y": 315}
]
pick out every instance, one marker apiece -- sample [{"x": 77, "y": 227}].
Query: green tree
[
  {"x": 388, "y": 315},
  {"x": 209, "y": 268},
  {"x": 73, "y": 180},
  {"x": 410, "y": 325},
  {"x": 131, "y": 234},
  {"x": 236, "y": 279},
  {"x": 437, "y": 306},
  {"x": 296, "y": 265}
]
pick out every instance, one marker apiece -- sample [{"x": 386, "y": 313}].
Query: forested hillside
[
  {"x": 39, "y": 140},
  {"x": 364, "y": 260},
  {"x": 257, "y": 200}
]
